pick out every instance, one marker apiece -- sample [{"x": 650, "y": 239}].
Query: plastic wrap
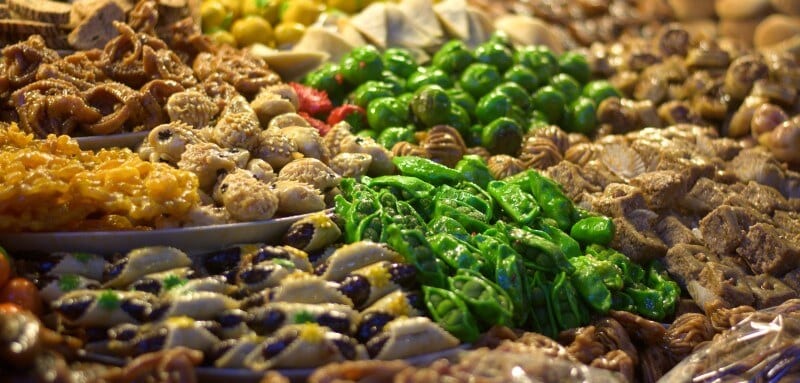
[
  {"x": 764, "y": 347},
  {"x": 489, "y": 366}
]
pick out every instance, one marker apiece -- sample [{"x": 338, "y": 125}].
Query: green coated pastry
[
  {"x": 475, "y": 170},
  {"x": 488, "y": 302},
  {"x": 427, "y": 170},
  {"x": 593, "y": 230},
  {"x": 551, "y": 198},
  {"x": 413, "y": 246},
  {"x": 589, "y": 284},
  {"x": 454, "y": 252},
  {"x": 450, "y": 312},
  {"x": 517, "y": 204}
]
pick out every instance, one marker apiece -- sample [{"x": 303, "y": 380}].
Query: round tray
[
  {"x": 192, "y": 240},
  {"x": 227, "y": 375},
  {"x": 122, "y": 140}
]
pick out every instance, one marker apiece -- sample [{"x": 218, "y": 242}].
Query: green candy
[
  {"x": 398, "y": 84},
  {"x": 581, "y": 116},
  {"x": 329, "y": 79},
  {"x": 567, "y": 85},
  {"x": 631, "y": 272},
  {"x": 431, "y": 105},
  {"x": 502, "y": 136},
  {"x": 568, "y": 245},
  {"x": 510, "y": 276},
  {"x": 492, "y": 106},
  {"x": 495, "y": 54},
  {"x": 459, "y": 119},
  {"x": 622, "y": 302},
  {"x": 479, "y": 79},
  {"x": 542, "y": 316},
  {"x": 502, "y": 38},
  {"x": 429, "y": 76},
  {"x": 539, "y": 59},
  {"x": 647, "y": 302},
  {"x": 550, "y": 102},
  {"x": 516, "y": 93},
  {"x": 472, "y": 219},
  {"x": 362, "y": 64},
  {"x": 575, "y": 65},
  {"x": 386, "y": 112},
  {"x": 657, "y": 278},
  {"x": 453, "y": 57},
  {"x": 405, "y": 99},
  {"x": 600, "y": 90},
  {"x": 524, "y": 77},
  {"x": 469, "y": 197},
  {"x": 399, "y": 61},
  {"x": 391, "y": 136},
  {"x": 369, "y": 91},
  {"x": 463, "y": 99},
  {"x": 539, "y": 250}
]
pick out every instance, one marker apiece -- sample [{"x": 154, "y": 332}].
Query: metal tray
[
  {"x": 192, "y": 240},
  {"x": 228, "y": 375},
  {"x": 122, "y": 140}
]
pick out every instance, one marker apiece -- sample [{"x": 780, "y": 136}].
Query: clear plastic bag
[
  {"x": 764, "y": 347},
  {"x": 537, "y": 368},
  {"x": 499, "y": 366}
]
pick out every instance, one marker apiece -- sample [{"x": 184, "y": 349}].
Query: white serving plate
[
  {"x": 122, "y": 140},
  {"x": 192, "y": 240}
]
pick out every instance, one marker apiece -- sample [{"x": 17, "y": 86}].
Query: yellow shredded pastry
[{"x": 52, "y": 185}]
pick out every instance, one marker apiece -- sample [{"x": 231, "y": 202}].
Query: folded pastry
[
  {"x": 399, "y": 303},
  {"x": 256, "y": 277},
  {"x": 200, "y": 305},
  {"x": 104, "y": 308},
  {"x": 84, "y": 264},
  {"x": 232, "y": 353},
  {"x": 274, "y": 315},
  {"x": 405, "y": 337},
  {"x": 306, "y": 288},
  {"x": 65, "y": 283},
  {"x": 348, "y": 258},
  {"x": 143, "y": 261},
  {"x": 171, "y": 333},
  {"x": 366, "y": 285},
  {"x": 303, "y": 346}
]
